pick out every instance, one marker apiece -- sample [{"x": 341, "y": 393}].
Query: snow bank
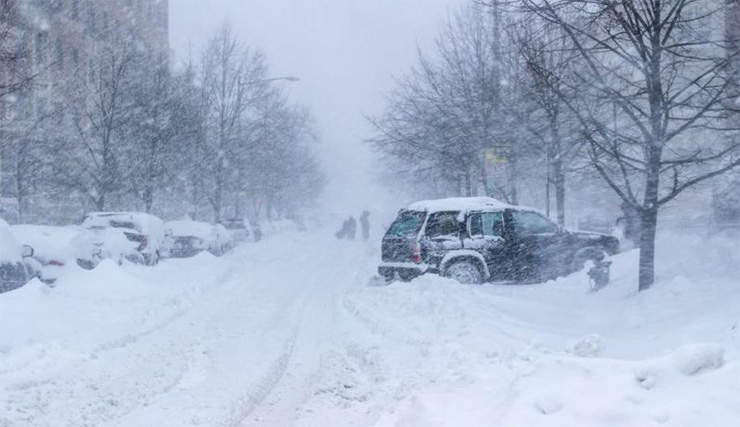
[{"x": 555, "y": 355}]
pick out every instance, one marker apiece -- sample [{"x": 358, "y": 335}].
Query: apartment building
[
  {"x": 56, "y": 45},
  {"x": 60, "y": 38}
]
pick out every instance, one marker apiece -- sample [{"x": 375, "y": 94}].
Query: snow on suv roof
[{"x": 459, "y": 204}]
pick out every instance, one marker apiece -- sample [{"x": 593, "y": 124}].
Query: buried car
[
  {"x": 14, "y": 272},
  {"x": 55, "y": 247},
  {"x": 188, "y": 238},
  {"x": 477, "y": 239},
  {"x": 135, "y": 236}
]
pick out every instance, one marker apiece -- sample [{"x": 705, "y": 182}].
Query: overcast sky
[{"x": 345, "y": 52}]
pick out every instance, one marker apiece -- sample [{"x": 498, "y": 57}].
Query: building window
[
  {"x": 76, "y": 60},
  {"x": 40, "y": 49},
  {"x": 21, "y": 104},
  {"x": 60, "y": 55},
  {"x": 40, "y": 108},
  {"x": 91, "y": 18},
  {"x": 91, "y": 71},
  {"x": 22, "y": 45},
  {"x": 59, "y": 113},
  {"x": 105, "y": 23}
]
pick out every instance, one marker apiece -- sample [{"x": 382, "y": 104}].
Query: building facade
[{"x": 57, "y": 45}]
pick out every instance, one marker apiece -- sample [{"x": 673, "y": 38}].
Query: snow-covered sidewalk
[{"x": 287, "y": 332}]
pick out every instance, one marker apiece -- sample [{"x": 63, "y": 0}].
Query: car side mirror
[{"x": 27, "y": 251}]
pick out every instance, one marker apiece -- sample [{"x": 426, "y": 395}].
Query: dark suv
[{"x": 477, "y": 239}]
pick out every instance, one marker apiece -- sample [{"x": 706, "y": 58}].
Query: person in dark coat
[
  {"x": 342, "y": 233},
  {"x": 365, "y": 224},
  {"x": 351, "y": 228}
]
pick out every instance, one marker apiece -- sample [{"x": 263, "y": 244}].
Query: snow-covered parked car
[
  {"x": 240, "y": 229},
  {"x": 14, "y": 272},
  {"x": 135, "y": 236},
  {"x": 188, "y": 238},
  {"x": 55, "y": 247}
]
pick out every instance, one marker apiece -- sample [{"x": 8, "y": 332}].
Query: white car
[
  {"x": 56, "y": 247},
  {"x": 240, "y": 229},
  {"x": 135, "y": 236},
  {"x": 188, "y": 238},
  {"x": 14, "y": 272}
]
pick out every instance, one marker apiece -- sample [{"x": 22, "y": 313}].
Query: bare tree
[
  {"x": 653, "y": 97},
  {"x": 90, "y": 158},
  {"x": 446, "y": 113},
  {"x": 548, "y": 63},
  {"x": 282, "y": 170},
  {"x": 232, "y": 78},
  {"x": 153, "y": 133}
]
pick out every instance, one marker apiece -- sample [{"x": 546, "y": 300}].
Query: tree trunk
[
  {"x": 647, "y": 248},
  {"x": 148, "y": 198},
  {"x": 513, "y": 178},
  {"x": 559, "y": 178},
  {"x": 100, "y": 203},
  {"x": 20, "y": 190},
  {"x": 649, "y": 220}
]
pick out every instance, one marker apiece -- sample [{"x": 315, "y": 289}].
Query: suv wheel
[{"x": 464, "y": 272}]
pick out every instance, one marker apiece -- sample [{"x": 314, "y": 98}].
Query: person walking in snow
[
  {"x": 351, "y": 228},
  {"x": 365, "y": 224},
  {"x": 342, "y": 233}
]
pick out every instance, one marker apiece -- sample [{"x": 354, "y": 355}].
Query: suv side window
[
  {"x": 493, "y": 223},
  {"x": 442, "y": 224},
  {"x": 532, "y": 223},
  {"x": 487, "y": 224}
]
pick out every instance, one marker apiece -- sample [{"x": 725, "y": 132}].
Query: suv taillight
[{"x": 416, "y": 254}]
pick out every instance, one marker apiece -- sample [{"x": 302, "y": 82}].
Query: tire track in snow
[{"x": 318, "y": 331}]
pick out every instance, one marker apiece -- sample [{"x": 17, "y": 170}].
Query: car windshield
[{"x": 407, "y": 224}]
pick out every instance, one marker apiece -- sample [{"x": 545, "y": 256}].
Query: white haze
[{"x": 345, "y": 52}]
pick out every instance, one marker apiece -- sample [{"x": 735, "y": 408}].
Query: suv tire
[{"x": 465, "y": 272}]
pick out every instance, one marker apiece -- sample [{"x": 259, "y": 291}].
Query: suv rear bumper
[{"x": 405, "y": 270}]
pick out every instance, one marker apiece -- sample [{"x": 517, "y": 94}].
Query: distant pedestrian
[
  {"x": 351, "y": 228},
  {"x": 342, "y": 233},
  {"x": 365, "y": 224}
]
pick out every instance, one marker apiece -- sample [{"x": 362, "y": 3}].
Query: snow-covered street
[{"x": 288, "y": 332}]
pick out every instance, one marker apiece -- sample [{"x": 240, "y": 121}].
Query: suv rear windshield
[
  {"x": 123, "y": 224},
  {"x": 407, "y": 224}
]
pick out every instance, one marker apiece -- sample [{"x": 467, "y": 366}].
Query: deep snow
[{"x": 287, "y": 332}]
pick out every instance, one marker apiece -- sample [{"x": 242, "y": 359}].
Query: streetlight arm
[{"x": 286, "y": 78}]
